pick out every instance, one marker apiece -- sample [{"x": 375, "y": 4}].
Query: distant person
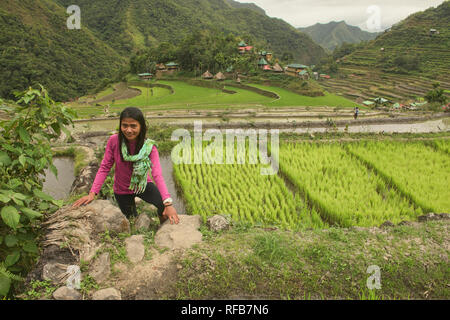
[
  {"x": 356, "y": 112},
  {"x": 134, "y": 156}
]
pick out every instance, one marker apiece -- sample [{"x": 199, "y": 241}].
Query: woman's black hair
[{"x": 136, "y": 114}]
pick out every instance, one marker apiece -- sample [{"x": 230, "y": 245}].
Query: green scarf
[{"x": 141, "y": 165}]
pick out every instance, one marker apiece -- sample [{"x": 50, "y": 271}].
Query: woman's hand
[
  {"x": 171, "y": 214},
  {"x": 84, "y": 200}
]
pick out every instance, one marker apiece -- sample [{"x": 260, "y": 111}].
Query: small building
[
  {"x": 277, "y": 68},
  {"x": 172, "y": 66},
  {"x": 266, "y": 55},
  {"x": 262, "y": 63},
  {"x": 219, "y": 76},
  {"x": 380, "y": 100},
  {"x": 294, "y": 68},
  {"x": 368, "y": 103},
  {"x": 304, "y": 75},
  {"x": 207, "y": 75},
  {"x": 433, "y": 32},
  {"x": 244, "y": 48},
  {"x": 145, "y": 76}
]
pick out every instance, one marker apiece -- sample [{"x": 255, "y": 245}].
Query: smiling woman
[{"x": 134, "y": 157}]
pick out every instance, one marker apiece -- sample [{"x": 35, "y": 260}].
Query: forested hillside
[
  {"x": 127, "y": 24},
  {"x": 37, "y": 47},
  {"x": 334, "y": 34},
  {"x": 411, "y": 46}
]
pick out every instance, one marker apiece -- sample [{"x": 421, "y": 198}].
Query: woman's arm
[
  {"x": 157, "y": 174},
  {"x": 169, "y": 212}
]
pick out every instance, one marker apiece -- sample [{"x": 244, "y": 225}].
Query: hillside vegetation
[
  {"x": 127, "y": 24},
  {"x": 334, "y": 34},
  {"x": 37, "y": 47},
  {"x": 409, "y": 47}
]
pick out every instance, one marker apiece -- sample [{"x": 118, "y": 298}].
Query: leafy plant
[{"x": 25, "y": 137}]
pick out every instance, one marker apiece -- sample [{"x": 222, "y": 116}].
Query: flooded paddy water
[{"x": 59, "y": 187}]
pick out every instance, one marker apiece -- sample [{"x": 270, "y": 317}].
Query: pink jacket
[{"x": 124, "y": 169}]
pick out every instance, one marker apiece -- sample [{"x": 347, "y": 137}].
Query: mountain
[
  {"x": 410, "y": 47},
  {"x": 250, "y": 6},
  {"x": 333, "y": 34},
  {"x": 130, "y": 24},
  {"x": 37, "y": 47}
]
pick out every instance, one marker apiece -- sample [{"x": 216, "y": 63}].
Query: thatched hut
[
  {"x": 277, "y": 68},
  {"x": 207, "y": 75},
  {"x": 219, "y": 76}
]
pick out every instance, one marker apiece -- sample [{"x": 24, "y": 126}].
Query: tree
[
  {"x": 34, "y": 120},
  {"x": 436, "y": 94}
]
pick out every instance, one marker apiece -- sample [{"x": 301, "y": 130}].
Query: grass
[
  {"x": 188, "y": 96},
  {"x": 316, "y": 264},
  {"x": 288, "y": 98}
]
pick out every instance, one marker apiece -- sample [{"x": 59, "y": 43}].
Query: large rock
[
  {"x": 107, "y": 294},
  {"x": 181, "y": 235},
  {"x": 142, "y": 222},
  {"x": 135, "y": 248},
  {"x": 217, "y": 223},
  {"x": 105, "y": 216},
  {"x": 83, "y": 182},
  {"x": 101, "y": 268},
  {"x": 65, "y": 293}
]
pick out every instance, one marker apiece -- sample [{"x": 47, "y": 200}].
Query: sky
[{"x": 369, "y": 15}]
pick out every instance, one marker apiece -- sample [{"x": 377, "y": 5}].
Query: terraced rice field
[
  {"x": 320, "y": 184},
  {"x": 362, "y": 82}
]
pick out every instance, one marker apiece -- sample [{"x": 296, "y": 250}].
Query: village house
[
  {"x": 263, "y": 64},
  {"x": 220, "y": 76},
  {"x": 172, "y": 66},
  {"x": 145, "y": 76},
  {"x": 295, "y": 68},
  {"x": 244, "y": 48},
  {"x": 277, "y": 68},
  {"x": 304, "y": 75},
  {"x": 207, "y": 75},
  {"x": 266, "y": 55}
]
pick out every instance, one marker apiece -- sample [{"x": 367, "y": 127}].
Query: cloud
[{"x": 303, "y": 13}]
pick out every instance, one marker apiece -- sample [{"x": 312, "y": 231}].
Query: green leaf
[
  {"x": 54, "y": 170},
  {"x": 4, "y": 159},
  {"x": 1, "y": 239},
  {"x": 5, "y": 283},
  {"x": 11, "y": 240},
  {"x": 31, "y": 214},
  {"x": 24, "y": 135},
  {"x": 31, "y": 247},
  {"x": 12, "y": 258},
  {"x": 10, "y": 216},
  {"x": 20, "y": 196},
  {"x": 43, "y": 206},
  {"x": 58, "y": 203},
  {"x": 42, "y": 195},
  {"x": 22, "y": 160},
  {"x": 13, "y": 183},
  {"x": 18, "y": 202},
  {"x": 4, "y": 198},
  {"x": 27, "y": 186},
  {"x": 57, "y": 128}
]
